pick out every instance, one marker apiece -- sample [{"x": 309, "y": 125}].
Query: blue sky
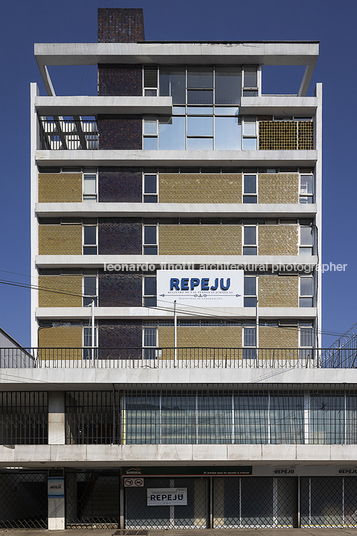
[{"x": 45, "y": 21}]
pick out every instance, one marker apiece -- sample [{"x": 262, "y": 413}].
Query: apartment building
[{"x": 177, "y": 380}]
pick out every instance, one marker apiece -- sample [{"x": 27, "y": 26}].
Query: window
[
  {"x": 249, "y": 188},
  {"x": 150, "y": 81},
  {"x": 150, "y": 291},
  {"x": 306, "y": 189},
  {"x": 250, "y": 291},
  {"x": 250, "y": 240},
  {"x": 150, "y": 343},
  {"x": 150, "y": 240},
  {"x": 306, "y": 341},
  {"x": 250, "y": 81},
  {"x": 89, "y": 187},
  {"x": 89, "y": 290},
  {"x": 89, "y": 349},
  {"x": 306, "y": 291},
  {"x": 306, "y": 240},
  {"x": 150, "y": 134},
  {"x": 249, "y": 342},
  {"x": 150, "y": 188},
  {"x": 249, "y": 142},
  {"x": 89, "y": 240}
]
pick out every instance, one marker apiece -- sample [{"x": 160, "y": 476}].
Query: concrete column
[
  {"x": 56, "y": 514},
  {"x": 56, "y": 418}
]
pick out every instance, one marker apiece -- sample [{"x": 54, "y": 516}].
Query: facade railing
[
  {"x": 71, "y": 134},
  {"x": 180, "y": 357}
]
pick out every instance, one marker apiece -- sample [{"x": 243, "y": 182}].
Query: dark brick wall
[
  {"x": 120, "y": 80},
  {"x": 120, "y": 132},
  {"x": 120, "y": 290},
  {"x": 119, "y": 334},
  {"x": 120, "y": 236},
  {"x": 120, "y": 25},
  {"x": 121, "y": 185}
]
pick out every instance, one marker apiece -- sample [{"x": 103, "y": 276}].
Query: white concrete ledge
[
  {"x": 174, "y": 158},
  {"x": 105, "y": 455},
  {"x": 73, "y": 377},
  {"x": 84, "y": 105},
  {"x": 98, "y": 261},
  {"x": 88, "y": 209},
  {"x": 275, "y": 104},
  {"x": 58, "y": 313}
]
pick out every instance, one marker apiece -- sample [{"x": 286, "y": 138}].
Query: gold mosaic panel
[
  {"x": 277, "y": 135},
  {"x": 306, "y": 135}
]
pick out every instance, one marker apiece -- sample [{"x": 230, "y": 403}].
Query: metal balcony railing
[
  {"x": 72, "y": 134},
  {"x": 180, "y": 357}
]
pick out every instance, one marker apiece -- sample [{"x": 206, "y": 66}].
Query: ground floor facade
[{"x": 180, "y": 497}]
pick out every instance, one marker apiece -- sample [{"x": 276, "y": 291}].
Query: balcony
[
  {"x": 68, "y": 134},
  {"x": 179, "y": 358}
]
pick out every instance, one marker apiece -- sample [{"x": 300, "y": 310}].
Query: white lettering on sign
[
  {"x": 201, "y": 288},
  {"x": 166, "y": 496}
]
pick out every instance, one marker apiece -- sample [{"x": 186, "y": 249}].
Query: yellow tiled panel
[
  {"x": 60, "y": 188},
  {"x": 60, "y": 239},
  {"x": 200, "y": 240},
  {"x": 277, "y": 135},
  {"x": 279, "y": 337},
  {"x": 65, "y": 337},
  {"x": 200, "y": 188},
  {"x": 306, "y": 135},
  {"x": 278, "y": 188},
  {"x": 278, "y": 240},
  {"x": 60, "y": 291},
  {"x": 278, "y": 291}
]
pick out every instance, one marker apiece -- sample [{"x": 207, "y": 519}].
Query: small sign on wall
[
  {"x": 167, "y": 496},
  {"x": 55, "y": 487},
  {"x": 133, "y": 482}
]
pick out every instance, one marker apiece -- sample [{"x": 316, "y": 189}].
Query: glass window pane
[
  {"x": 306, "y": 286},
  {"x": 228, "y": 85},
  {"x": 249, "y": 337},
  {"x": 150, "y": 235},
  {"x": 250, "y": 184},
  {"x": 200, "y": 126},
  {"x": 150, "y": 126},
  {"x": 172, "y": 134},
  {"x": 250, "y": 234},
  {"x": 199, "y": 97},
  {"x": 305, "y": 251},
  {"x": 227, "y": 133},
  {"x": 199, "y": 110},
  {"x": 150, "y": 198},
  {"x": 249, "y": 286},
  {"x": 306, "y": 336},
  {"x": 90, "y": 286},
  {"x": 90, "y": 250},
  {"x": 89, "y": 184},
  {"x": 305, "y": 302},
  {"x": 172, "y": 84},
  {"x": 150, "y": 144},
  {"x": 199, "y": 77},
  {"x": 306, "y": 184},
  {"x": 250, "y": 77},
  {"x": 250, "y": 302},
  {"x": 150, "y": 250},
  {"x": 226, "y": 110},
  {"x": 249, "y": 250},
  {"x": 250, "y": 93},
  {"x": 249, "y": 127},
  {"x": 149, "y": 336},
  {"x": 305, "y": 200},
  {"x": 249, "y": 144},
  {"x": 150, "y": 184},
  {"x": 90, "y": 235},
  {"x": 306, "y": 236},
  {"x": 150, "y": 92},
  {"x": 249, "y": 199},
  {"x": 178, "y": 110},
  {"x": 200, "y": 144},
  {"x": 149, "y": 286}
]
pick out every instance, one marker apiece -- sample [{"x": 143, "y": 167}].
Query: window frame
[
  {"x": 90, "y": 297},
  {"x": 306, "y": 352},
  {"x": 304, "y": 197},
  {"x": 146, "y": 296},
  {"x": 145, "y": 245},
  {"x": 146, "y": 88},
  {"x": 254, "y": 296},
  {"x": 306, "y": 296},
  {"x": 304, "y": 247},
  {"x": 87, "y": 349},
  {"x": 253, "y": 120},
  {"x": 90, "y": 246},
  {"x": 250, "y": 246},
  {"x": 89, "y": 197},
  {"x": 149, "y": 351},
  {"x": 247, "y": 194},
  {"x": 147, "y": 195},
  {"x": 249, "y": 351}
]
